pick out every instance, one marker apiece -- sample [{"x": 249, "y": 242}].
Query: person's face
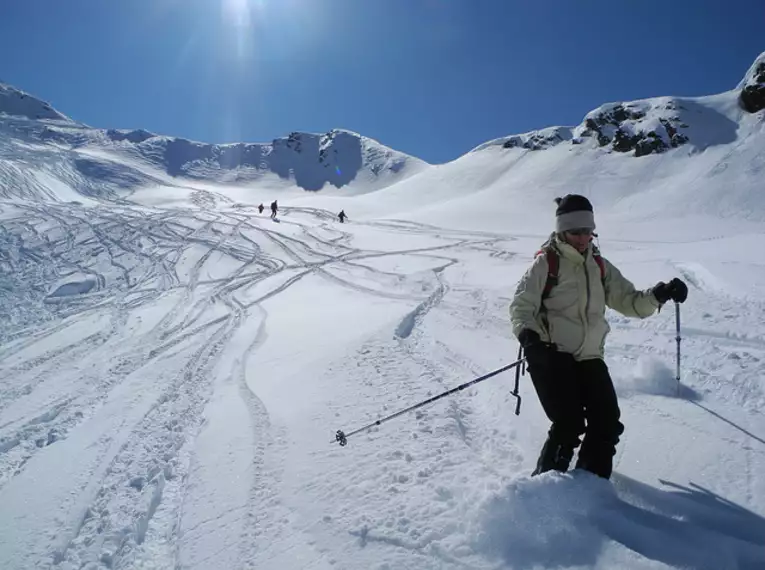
[{"x": 578, "y": 238}]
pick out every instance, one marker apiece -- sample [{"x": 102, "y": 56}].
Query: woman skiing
[{"x": 558, "y": 315}]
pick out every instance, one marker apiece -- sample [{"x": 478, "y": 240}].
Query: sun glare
[
  {"x": 238, "y": 13},
  {"x": 239, "y": 18},
  {"x": 277, "y": 25}
]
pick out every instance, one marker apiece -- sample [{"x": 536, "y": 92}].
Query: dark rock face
[
  {"x": 624, "y": 142},
  {"x": 752, "y": 97},
  {"x": 675, "y": 138},
  {"x": 626, "y": 128}
]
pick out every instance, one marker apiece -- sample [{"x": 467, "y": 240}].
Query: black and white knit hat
[{"x": 574, "y": 211}]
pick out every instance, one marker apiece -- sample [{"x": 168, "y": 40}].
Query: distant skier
[
  {"x": 342, "y": 215},
  {"x": 274, "y": 209},
  {"x": 558, "y": 315},
  {"x": 261, "y": 207}
]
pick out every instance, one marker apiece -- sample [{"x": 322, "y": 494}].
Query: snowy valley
[{"x": 174, "y": 364}]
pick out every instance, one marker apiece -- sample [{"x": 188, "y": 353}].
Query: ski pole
[
  {"x": 519, "y": 371},
  {"x": 677, "y": 338},
  {"x": 342, "y": 438}
]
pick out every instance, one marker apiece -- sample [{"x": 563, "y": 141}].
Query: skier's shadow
[{"x": 685, "y": 526}]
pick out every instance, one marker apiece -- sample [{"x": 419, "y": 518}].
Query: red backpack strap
[
  {"x": 552, "y": 271},
  {"x": 602, "y": 265}
]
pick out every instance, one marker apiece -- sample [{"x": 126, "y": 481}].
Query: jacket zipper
[{"x": 587, "y": 304}]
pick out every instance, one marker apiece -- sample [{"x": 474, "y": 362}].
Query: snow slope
[{"x": 174, "y": 365}]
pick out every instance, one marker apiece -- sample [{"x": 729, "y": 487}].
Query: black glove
[
  {"x": 539, "y": 355},
  {"x": 532, "y": 344},
  {"x": 675, "y": 290}
]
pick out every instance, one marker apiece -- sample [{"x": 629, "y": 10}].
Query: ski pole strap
[{"x": 342, "y": 438}]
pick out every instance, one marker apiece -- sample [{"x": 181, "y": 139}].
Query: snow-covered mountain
[
  {"x": 98, "y": 162},
  {"x": 174, "y": 364},
  {"x": 653, "y": 126},
  {"x": 707, "y": 133}
]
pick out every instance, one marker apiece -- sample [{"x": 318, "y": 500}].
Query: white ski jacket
[{"x": 573, "y": 315}]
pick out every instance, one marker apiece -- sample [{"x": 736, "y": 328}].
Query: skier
[
  {"x": 558, "y": 315},
  {"x": 342, "y": 215},
  {"x": 261, "y": 207},
  {"x": 274, "y": 209}
]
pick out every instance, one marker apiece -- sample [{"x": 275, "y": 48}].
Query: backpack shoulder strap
[
  {"x": 602, "y": 265},
  {"x": 552, "y": 270}
]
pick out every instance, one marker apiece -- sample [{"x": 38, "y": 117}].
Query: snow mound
[
  {"x": 77, "y": 284},
  {"x": 546, "y": 521},
  {"x": 18, "y": 103}
]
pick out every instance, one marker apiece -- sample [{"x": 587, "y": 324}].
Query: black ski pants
[{"x": 578, "y": 398}]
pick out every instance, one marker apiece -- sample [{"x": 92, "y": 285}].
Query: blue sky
[{"x": 433, "y": 78}]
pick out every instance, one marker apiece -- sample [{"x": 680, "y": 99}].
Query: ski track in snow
[{"x": 164, "y": 417}]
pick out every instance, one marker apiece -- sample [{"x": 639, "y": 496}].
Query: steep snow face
[
  {"x": 753, "y": 86},
  {"x": 18, "y": 103}
]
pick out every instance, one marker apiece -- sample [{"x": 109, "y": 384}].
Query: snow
[
  {"x": 174, "y": 365},
  {"x": 75, "y": 287},
  {"x": 106, "y": 162},
  {"x": 18, "y": 103},
  {"x": 754, "y": 70}
]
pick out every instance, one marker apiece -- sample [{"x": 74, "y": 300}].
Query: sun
[
  {"x": 248, "y": 28},
  {"x": 239, "y": 13},
  {"x": 240, "y": 17}
]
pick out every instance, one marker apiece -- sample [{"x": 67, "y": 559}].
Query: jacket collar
[{"x": 568, "y": 251}]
